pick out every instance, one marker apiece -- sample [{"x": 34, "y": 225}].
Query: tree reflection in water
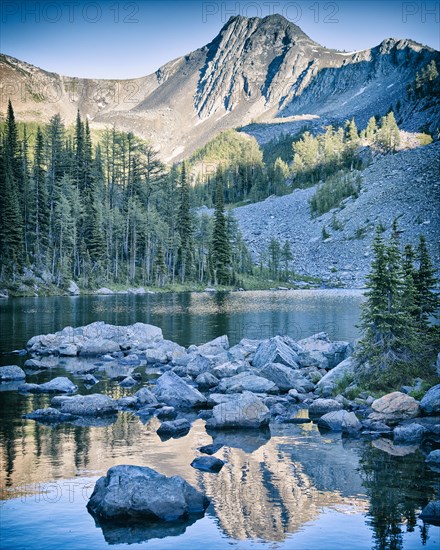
[{"x": 398, "y": 487}]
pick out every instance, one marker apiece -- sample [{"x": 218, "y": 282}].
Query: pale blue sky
[{"x": 112, "y": 39}]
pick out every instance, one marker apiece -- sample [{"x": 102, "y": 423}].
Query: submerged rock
[
  {"x": 244, "y": 411},
  {"x": 174, "y": 391},
  {"x": 430, "y": 404},
  {"x": 393, "y": 407},
  {"x": 11, "y": 372},
  {"x": 208, "y": 464},
  {"x": 210, "y": 449},
  {"x": 142, "y": 493}
]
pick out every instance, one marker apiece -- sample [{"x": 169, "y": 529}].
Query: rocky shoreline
[{"x": 243, "y": 387}]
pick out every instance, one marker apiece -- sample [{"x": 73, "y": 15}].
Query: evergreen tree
[
  {"x": 426, "y": 299},
  {"x": 39, "y": 205},
  {"x": 221, "y": 253},
  {"x": 185, "y": 227},
  {"x": 286, "y": 257}
]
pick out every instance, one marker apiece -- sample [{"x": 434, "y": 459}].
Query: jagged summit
[{"x": 255, "y": 69}]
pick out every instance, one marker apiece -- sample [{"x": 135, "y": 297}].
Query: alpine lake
[{"x": 288, "y": 487}]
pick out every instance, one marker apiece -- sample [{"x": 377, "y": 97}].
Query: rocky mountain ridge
[{"x": 256, "y": 69}]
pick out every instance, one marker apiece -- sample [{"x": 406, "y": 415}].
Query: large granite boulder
[
  {"x": 319, "y": 351},
  {"x": 95, "y": 404},
  {"x": 174, "y": 391},
  {"x": 343, "y": 370},
  {"x": 324, "y": 406},
  {"x": 142, "y": 493},
  {"x": 145, "y": 397},
  {"x": 214, "y": 347},
  {"x": 11, "y": 372},
  {"x": 340, "y": 421},
  {"x": 243, "y": 411},
  {"x": 246, "y": 381},
  {"x": 60, "y": 384},
  {"x": 430, "y": 404},
  {"x": 275, "y": 350},
  {"x": 286, "y": 378},
  {"x": 394, "y": 407}
]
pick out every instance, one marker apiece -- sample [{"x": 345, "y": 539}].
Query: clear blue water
[{"x": 288, "y": 488}]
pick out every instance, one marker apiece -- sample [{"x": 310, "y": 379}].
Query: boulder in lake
[
  {"x": 430, "y": 404},
  {"x": 286, "y": 378},
  {"x": 246, "y": 381},
  {"x": 87, "y": 405},
  {"x": 34, "y": 364},
  {"x": 173, "y": 428},
  {"x": 243, "y": 411},
  {"x": 49, "y": 415},
  {"x": 431, "y": 513},
  {"x": 275, "y": 350},
  {"x": 214, "y": 347},
  {"x": 11, "y": 372},
  {"x": 409, "y": 433},
  {"x": 128, "y": 382},
  {"x": 394, "y": 407},
  {"x": 73, "y": 289},
  {"x": 210, "y": 449},
  {"x": 145, "y": 397},
  {"x": 343, "y": 370},
  {"x": 139, "y": 492},
  {"x": 208, "y": 464},
  {"x": 104, "y": 291},
  {"x": 340, "y": 421},
  {"x": 434, "y": 458},
  {"x": 174, "y": 391},
  {"x": 60, "y": 384},
  {"x": 206, "y": 380},
  {"x": 323, "y": 406}
]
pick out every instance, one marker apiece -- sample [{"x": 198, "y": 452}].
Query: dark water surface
[{"x": 289, "y": 487}]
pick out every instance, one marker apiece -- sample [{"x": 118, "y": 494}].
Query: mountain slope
[
  {"x": 405, "y": 185},
  {"x": 255, "y": 69}
]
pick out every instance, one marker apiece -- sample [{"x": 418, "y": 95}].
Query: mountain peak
[{"x": 270, "y": 23}]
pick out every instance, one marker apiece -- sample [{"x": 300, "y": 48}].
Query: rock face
[
  {"x": 94, "y": 339},
  {"x": 275, "y": 350},
  {"x": 286, "y": 378},
  {"x": 172, "y": 390},
  {"x": 340, "y": 421},
  {"x": 393, "y": 407},
  {"x": 244, "y": 411},
  {"x": 141, "y": 493},
  {"x": 11, "y": 372},
  {"x": 430, "y": 404},
  {"x": 87, "y": 405}
]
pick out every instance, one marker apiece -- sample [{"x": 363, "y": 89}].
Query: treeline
[
  {"x": 427, "y": 82},
  {"x": 106, "y": 213},
  {"x": 399, "y": 342}
]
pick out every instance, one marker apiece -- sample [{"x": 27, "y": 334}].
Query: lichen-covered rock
[
  {"x": 430, "y": 404},
  {"x": 138, "y": 492},
  {"x": 393, "y": 407}
]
